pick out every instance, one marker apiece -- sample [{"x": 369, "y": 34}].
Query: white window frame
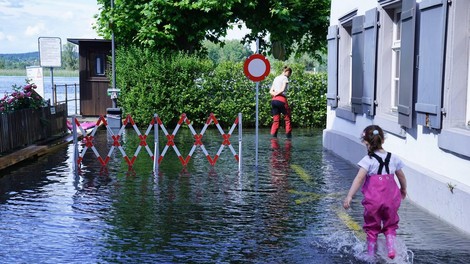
[
  {"x": 345, "y": 57},
  {"x": 455, "y": 134},
  {"x": 345, "y": 67},
  {"x": 467, "y": 116},
  {"x": 385, "y": 116},
  {"x": 396, "y": 46}
]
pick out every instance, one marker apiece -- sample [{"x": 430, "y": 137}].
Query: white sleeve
[
  {"x": 398, "y": 163},
  {"x": 365, "y": 162}
]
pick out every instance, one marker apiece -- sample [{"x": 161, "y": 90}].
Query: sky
[{"x": 23, "y": 22}]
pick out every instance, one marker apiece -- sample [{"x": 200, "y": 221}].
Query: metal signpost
[
  {"x": 114, "y": 113},
  {"x": 256, "y": 68},
  {"x": 50, "y": 55}
]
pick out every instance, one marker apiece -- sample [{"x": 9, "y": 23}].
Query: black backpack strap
[{"x": 382, "y": 163}]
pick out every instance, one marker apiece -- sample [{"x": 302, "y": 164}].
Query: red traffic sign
[{"x": 256, "y": 67}]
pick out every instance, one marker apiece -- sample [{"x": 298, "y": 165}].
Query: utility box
[{"x": 114, "y": 118}]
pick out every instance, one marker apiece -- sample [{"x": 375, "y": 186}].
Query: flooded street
[{"x": 286, "y": 210}]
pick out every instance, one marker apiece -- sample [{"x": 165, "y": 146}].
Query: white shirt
[
  {"x": 372, "y": 165},
  {"x": 279, "y": 81}
]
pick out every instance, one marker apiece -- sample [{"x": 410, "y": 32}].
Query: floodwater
[{"x": 285, "y": 210}]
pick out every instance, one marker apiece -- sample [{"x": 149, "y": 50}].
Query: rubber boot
[
  {"x": 371, "y": 247},
  {"x": 390, "y": 241}
]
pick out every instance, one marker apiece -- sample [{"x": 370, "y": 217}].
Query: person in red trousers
[{"x": 279, "y": 103}]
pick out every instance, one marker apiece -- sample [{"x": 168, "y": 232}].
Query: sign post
[
  {"x": 256, "y": 68},
  {"x": 50, "y": 55}
]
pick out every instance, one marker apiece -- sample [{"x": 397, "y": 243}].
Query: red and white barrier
[{"x": 155, "y": 123}]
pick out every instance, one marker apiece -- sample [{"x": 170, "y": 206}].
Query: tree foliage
[
  {"x": 69, "y": 56},
  {"x": 233, "y": 50},
  {"x": 297, "y": 25}
]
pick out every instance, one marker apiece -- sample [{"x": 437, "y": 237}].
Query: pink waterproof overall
[{"x": 381, "y": 201}]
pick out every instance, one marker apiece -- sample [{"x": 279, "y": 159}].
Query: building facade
[{"x": 404, "y": 65}]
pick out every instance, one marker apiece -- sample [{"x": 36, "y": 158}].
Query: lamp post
[{"x": 113, "y": 114}]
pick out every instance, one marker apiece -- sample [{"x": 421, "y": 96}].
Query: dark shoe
[
  {"x": 289, "y": 135},
  {"x": 274, "y": 135}
]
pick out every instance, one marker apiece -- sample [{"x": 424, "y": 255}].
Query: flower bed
[
  {"x": 22, "y": 97},
  {"x": 26, "y": 119}
]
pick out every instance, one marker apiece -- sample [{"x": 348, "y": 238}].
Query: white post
[
  {"x": 75, "y": 144},
  {"x": 256, "y": 125},
  {"x": 54, "y": 92},
  {"x": 156, "y": 150},
  {"x": 256, "y": 122},
  {"x": 240, "y": 143}
]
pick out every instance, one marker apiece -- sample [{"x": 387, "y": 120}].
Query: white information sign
[
  {"x": 35, "y": 74},
  {"x": 50, "y": 52}
]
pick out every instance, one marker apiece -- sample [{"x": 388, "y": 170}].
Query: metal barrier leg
[
  {"x": 156, "y": 150},
  {"x": 75, "y": 144}
]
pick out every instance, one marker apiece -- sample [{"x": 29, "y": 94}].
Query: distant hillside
[
  {"x": 22, "y": 60},
  {"x": 21, "y": 56},
  {"x": 19, "y": 60}
]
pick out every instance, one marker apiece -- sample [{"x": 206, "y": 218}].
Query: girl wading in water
[{"x": 382, "y": 196}]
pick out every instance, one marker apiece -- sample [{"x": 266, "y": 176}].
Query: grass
[{"x": 46, "y": 72}]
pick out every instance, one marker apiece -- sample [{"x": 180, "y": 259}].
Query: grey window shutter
[
  {"x": 433, "y": 17},
  {"x": 370, "y": 59},
  {"x": 407, "y": 64},
  {"x": 357, "y": 64},
  {"x": 332, "y": 93}
]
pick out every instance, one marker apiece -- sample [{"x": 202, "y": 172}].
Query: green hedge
[{"x": 172, "y": 84}]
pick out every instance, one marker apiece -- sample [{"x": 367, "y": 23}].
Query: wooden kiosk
[{"x": 94, "y": 83}]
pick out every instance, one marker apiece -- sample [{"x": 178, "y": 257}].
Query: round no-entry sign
[{"x": 256, "y": 67}]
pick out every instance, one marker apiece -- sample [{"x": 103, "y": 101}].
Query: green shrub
[{"x": 176, "y": 83}]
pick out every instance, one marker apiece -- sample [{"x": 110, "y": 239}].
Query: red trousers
[{"x": 280, "y": 106}]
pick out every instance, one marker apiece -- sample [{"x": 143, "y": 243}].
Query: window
[
  {"x": 392, "y": 39},
  {"x": 396, "y": 45},
  {"x": 97, "y": 64},
  {"x": 455, "y": 133},
  {"x": 345, "y": 65},
  {"x": 467, "y": 119},
  {"x": 388, "y": 61},
  {"x": 344, "y": 109}
]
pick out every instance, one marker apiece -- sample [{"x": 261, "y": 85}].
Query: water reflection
[
  {"x": 278, "y": 199},
  {"x": 284, "y": 212}
]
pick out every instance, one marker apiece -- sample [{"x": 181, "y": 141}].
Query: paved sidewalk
[{"x": 41, "y": 148}]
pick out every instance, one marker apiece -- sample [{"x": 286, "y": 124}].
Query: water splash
[{"x": 347, "y": 243}]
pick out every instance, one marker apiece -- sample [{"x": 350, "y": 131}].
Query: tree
[
  {"x": 232, "y": 50},
  {"x": 298, "y": 26},
  {"x": 70, "y": 56},
  {"x": 158, "y": 24}
]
